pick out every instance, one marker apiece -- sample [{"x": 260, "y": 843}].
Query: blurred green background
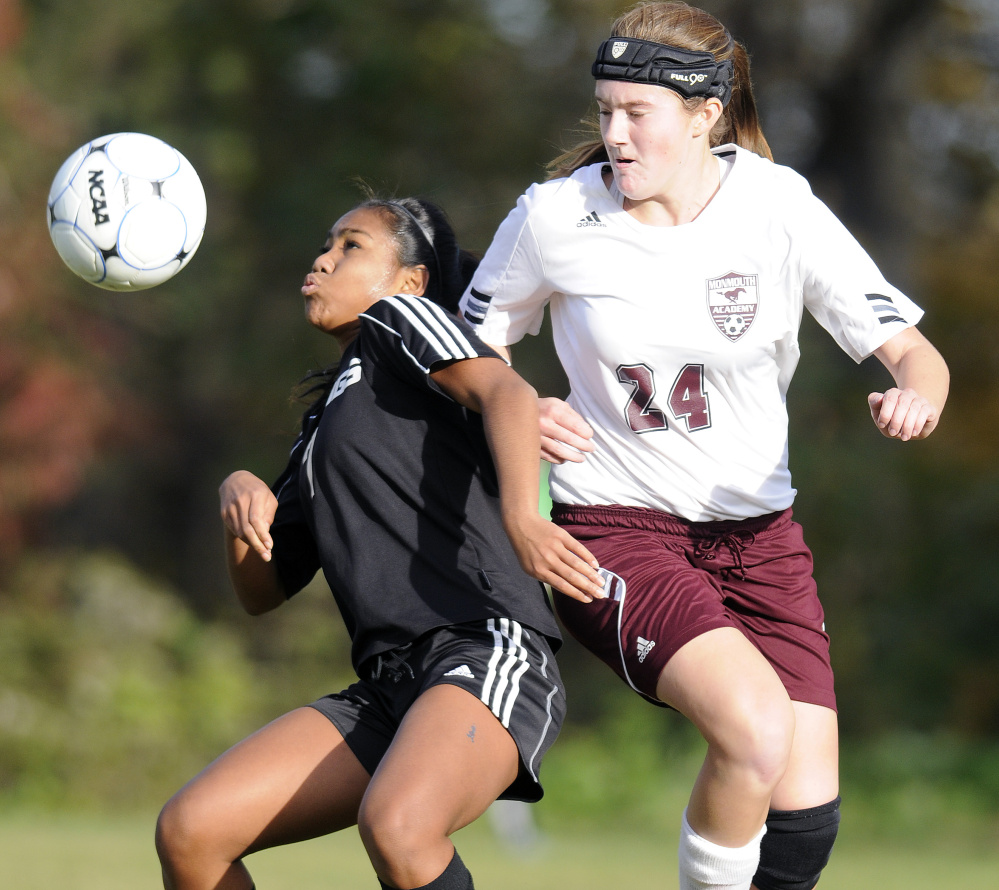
[{"x": 124, "y": 663}]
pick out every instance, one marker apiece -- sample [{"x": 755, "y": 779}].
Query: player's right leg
[
  {"x": 292, "y": 780},
  {"x": 729, "y": 691}
]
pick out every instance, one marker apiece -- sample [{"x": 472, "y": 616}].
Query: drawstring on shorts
[
  {"x": 394, "y": 664},
  {"x": 707, "y": 537},
  {"x": 736, "y": 541}
]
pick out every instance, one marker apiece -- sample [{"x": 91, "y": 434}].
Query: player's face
[
  {"x": 358, "y": 266},
  {"x": 649, "y": 136}
]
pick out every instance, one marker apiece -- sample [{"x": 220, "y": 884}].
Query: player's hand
[
  {"x": 564, "y": 433},
  {"x": 902, "y": 414},
  {"x": 248, "y": 507},
  {"x": 552, "y": 555}
]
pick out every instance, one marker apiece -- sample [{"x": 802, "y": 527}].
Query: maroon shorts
[{"x": 670, "y": 580}]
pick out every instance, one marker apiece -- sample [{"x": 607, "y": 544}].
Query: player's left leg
[
  {"x": 451, "y": 758},
  {"x": 804, "y": 808}
]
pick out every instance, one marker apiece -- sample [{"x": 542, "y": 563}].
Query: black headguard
[{"x": 688, "y": 72}]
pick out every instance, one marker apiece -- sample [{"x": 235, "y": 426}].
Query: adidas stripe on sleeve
[
  {"x": 513, "y": 267},
  {"x": 426, "y": 333},
  {"x": 841, "y": 285}
]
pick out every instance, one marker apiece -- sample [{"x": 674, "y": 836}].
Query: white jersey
[{"x": 680, "y": 342}]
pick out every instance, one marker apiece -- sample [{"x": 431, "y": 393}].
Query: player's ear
[
  {"x": 707, "y": 116},
  {"x": 415, "y": 280}
]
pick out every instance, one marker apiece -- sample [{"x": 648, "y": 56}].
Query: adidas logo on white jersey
[
  {"x": 462, "y": 671},
  {"x": 644, "y": 648},
  {"x": 591, "y": 219}
]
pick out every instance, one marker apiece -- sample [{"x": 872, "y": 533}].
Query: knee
[
  {"x": 395, "y": 832},
  {"x": 757, "y": 739},
  {"x": 769, "y": 738},
  {"x": 796, "y": 847},
  {"x": 172, "y": 832},
  {"x": 179, "y": 831}
]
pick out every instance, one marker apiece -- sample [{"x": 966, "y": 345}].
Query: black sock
[{"x": 454, "y": 877}]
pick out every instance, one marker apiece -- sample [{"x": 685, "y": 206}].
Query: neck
[
  {"x": 691, "y": 190},
  {"x": 346, "y": 333}
]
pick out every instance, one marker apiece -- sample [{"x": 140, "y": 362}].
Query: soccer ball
[
  {"x": 126, "y": 211},
  {"x": 734, "y": 325}
]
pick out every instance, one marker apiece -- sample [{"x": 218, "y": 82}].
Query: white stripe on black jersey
[
  {"x": 444, "y": 324},
  {"x": 433, "y": 324}
]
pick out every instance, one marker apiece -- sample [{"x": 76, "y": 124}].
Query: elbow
[
  {"x": 259, "y": 602},
  {"x": 255, "y": 609},
  {"x": 518, "y": 387},
  {"x": 258, "y": 591},
  {"x": 530, "y": 390}
]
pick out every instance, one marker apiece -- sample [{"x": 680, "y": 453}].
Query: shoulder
[
  {"x": 406, "y": 310},
  {"x": 551, "y": 209},
  {"x": 772, "y": 192},
  {"x": 755, "y": 172},
  {"x": 580, "y": 186},
  {"x": 424, "y": 330}
]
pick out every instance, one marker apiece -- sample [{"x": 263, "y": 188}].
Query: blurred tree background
[{"x": 124, "y": 663}]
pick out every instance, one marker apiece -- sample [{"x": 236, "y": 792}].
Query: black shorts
[
  {"x": 509, "y": 667},
  {"x": 673, "y": 580}
]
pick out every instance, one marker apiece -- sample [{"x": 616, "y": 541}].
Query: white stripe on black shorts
[{"x": 507, "y": 666}]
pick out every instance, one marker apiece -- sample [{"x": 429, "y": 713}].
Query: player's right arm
[{"x": 248, "y": 507}]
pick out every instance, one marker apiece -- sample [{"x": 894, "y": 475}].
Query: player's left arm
[
  {"x": 509, "y": 409},
  {"x": 911, "y": 409}
]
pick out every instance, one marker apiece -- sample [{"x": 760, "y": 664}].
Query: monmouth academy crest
[{"x": 732, "y": 301}]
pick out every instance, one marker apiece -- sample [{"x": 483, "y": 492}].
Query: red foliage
[
  {"x": 11, "y": 23},
  {"x": 58, "y": 399}
]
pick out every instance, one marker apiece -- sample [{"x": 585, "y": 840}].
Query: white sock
[{"x": 706, "y": 865}]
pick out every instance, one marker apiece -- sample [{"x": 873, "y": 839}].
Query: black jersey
[{"x": 392, "y": 491}]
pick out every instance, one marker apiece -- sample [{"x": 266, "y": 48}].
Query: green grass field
[{"x": 80, "y": 853}]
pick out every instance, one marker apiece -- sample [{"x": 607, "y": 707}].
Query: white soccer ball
[
  {"x": 733, "y": 325},
  {"x": 126, "y": 211}
]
